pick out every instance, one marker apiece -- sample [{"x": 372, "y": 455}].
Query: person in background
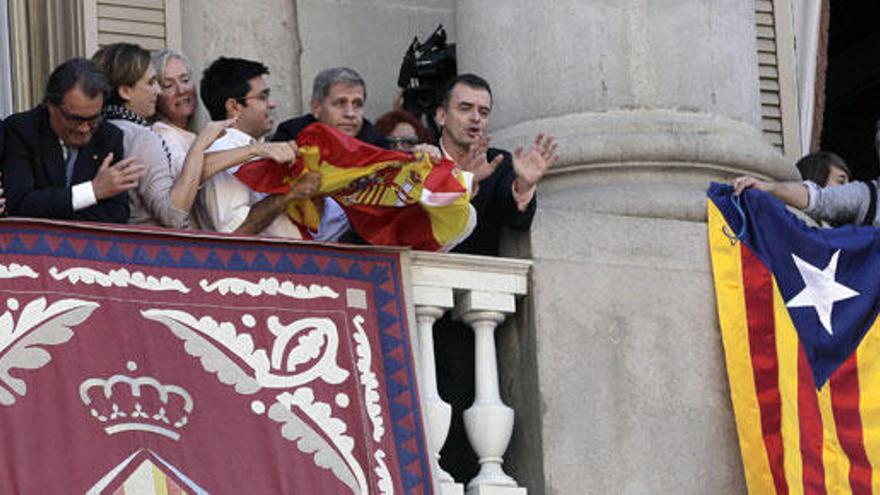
[
  {"x": 338, "y": 98},
  {"x": 824, "y": 169},
  {"x": 402, "y": 130},
  {"x": 61, "y": 160},
  {"x": 176, "y": 105},
  {"x": 164, "y": 197}
]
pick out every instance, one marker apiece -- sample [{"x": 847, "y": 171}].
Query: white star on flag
[{"x": 821, "y": 291}]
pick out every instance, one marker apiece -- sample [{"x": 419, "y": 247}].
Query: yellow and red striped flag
[
  {"x": 798, "y": 313},
  {"x": 390, "y": 197}
]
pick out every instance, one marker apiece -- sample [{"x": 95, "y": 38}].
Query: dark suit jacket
[
  {"x": 34, "y": 172},
  {"x": 290, "y": 129},
  {"x": 496, "y": 208}
]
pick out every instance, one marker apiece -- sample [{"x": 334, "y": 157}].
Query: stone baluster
[
  {"x": 431, "y": 303},
  {"x": 488, "y": 422}
]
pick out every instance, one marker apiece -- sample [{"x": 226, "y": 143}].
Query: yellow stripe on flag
[
  {"x": 833, "y": 457},
  {"x": 159, "y": 482},
  {"x": 727, "y": 271},
  {"x": 868, "y": 356},
  {"x": 787, "y": 354}
]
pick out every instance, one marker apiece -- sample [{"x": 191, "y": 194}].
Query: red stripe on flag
[
  {"x": 810, "y": 422},
  {"x": 758, "y": 285},
  {"x": 848, "y": 420}
]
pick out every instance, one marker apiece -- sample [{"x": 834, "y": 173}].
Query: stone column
[{"x": 619, "y": 382}]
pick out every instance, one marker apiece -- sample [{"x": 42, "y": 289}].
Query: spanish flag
[
  {"x": 798, "y": 313},
  {"x": 390, "y": 197}
]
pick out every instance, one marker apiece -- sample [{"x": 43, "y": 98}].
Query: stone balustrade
[{"x": 481, "y": 291}]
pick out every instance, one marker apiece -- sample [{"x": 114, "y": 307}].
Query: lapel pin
[{"x": 94, "y": 158}]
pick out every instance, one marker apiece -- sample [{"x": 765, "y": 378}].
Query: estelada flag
[
  {"x": 798, "y": 313},
  {"x": 390, "y": 197}
]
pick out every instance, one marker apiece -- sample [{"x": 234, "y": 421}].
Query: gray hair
[
  {"x": 328, "y": 77},
  {"x": 162, "y": 57}
]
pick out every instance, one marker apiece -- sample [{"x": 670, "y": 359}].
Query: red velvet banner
[{"x": 152, "y": 362}]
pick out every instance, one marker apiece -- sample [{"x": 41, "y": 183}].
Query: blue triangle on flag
[
  {"x": 90, "y": 252},
  {"x": 141, "y": 256},
  {"x": 409, "y": 480},
  {"x": 394, "y": 388},
  {"x": 392, "y": 365},
  {"x": 385, "y": 320},
  {"x": 379, "y": 275},
  {"x": 15, "y": 246},
  {"x": 785, "y": 246},
  {"x": 309, "y": 267},
  {"x": 65, "y": 249},
  {"x": 164, "y": 258},
  {"x": 402, "y": 434},
  {"x": 41, "y": 246},
  {"x": 389, "y": 343},
  {"x": 383, "y": 297},
  {"x": 284, "y": 265},
  {"x": 334, "y": 269},
  {"x": 261, "y": 263},
  {"x": 115, "y": 254},
  {"x": 236, "y": 262},
  {"x": 355, "y": 272},
  {"x": 189, "y": 260},
  {"x": 398, "y": 411},
  {"x": 213, "y": 261}
]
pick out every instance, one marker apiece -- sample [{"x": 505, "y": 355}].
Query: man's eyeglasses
[
  {"x": 264, "y": 97},
  {"x": 78, "y": 119}
]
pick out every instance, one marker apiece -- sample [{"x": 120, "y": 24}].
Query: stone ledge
[{"x": 645, "y": 138}]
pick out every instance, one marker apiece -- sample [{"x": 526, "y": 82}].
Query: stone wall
[
  {"x": 263, "y": 30},
  {"x": 370, "y": 36}
]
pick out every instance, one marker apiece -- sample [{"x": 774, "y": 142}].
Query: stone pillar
[{"x": 619, "y": 380}]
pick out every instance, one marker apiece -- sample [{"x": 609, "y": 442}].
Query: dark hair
[
  {"x": 75, "y": 72},
  {"x": 387, "y": 122},
  {"x": 472, "y": 80},
  {"x": 124, "y": 64},
  {"x": 228, "y": 78},
  {"x": 815, "y": 167}
]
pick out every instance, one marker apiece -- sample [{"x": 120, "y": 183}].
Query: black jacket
[
  {"x": 34, "y": 175},
  {"x": 290, "y": 129},
  {"x": 496, "y": 208}
]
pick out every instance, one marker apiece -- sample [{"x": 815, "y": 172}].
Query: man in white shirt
[{"x": 234, "y": 88}]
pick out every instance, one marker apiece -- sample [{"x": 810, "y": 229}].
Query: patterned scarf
[{"x": 119, "y": 112}]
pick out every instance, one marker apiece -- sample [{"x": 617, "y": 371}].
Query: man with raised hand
[{"x": 505, "y": 195}]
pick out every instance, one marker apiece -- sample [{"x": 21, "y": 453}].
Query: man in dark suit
[
  {"x": 507, "y": 182},
  {"x": 338, "y": 98},
  {"x": 504, "y": 197},
  {"x": 61, "y": 160}
]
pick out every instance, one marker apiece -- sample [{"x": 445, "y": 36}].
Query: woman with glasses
[
  {"x": 165, "y": 194},
  {"x": 402, "y": 130}
]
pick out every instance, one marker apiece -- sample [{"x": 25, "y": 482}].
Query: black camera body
[{"x": 424, "y": 72}]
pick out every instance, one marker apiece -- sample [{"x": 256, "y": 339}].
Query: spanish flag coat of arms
[{"x": 390, "y": 197}]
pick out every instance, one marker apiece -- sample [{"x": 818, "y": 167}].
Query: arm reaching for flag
[
  {"x": 390, "y": 197},
  {"x": 793, "y": 194},
  {"x": 851, "y": 203}
]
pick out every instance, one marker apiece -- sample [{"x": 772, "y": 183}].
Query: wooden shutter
[
  {"x": 776, "y": 73},
  {"x": 152, "y": 24}
]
